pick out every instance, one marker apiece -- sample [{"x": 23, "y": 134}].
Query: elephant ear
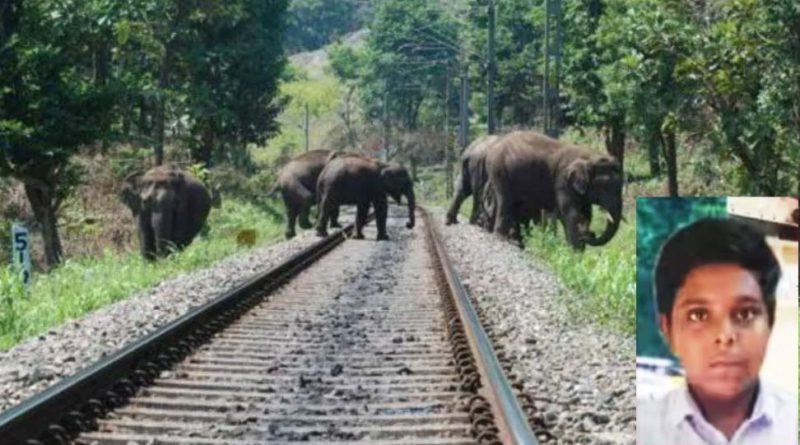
[
  {"x": 578, "y": 175},
  {"x": 129, "y": 194}
]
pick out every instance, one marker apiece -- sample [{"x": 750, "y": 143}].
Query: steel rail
[
  {"x": 509, "y": 416},
  {"x": 63, "y": 409}
]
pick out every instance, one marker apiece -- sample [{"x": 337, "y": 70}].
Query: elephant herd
[
  {"x": 514, "y": 179},
  {"x": 171, "y": 206},
  {"x": 522, "y": 176},
  {"x": 332, "y": 179}
]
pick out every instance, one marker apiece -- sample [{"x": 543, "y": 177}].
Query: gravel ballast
[
  {"x": 581, "y": 377},
  {"x": 36, "y": 364}
]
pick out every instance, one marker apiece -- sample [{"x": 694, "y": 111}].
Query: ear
[
  {"x": 578, "y": 175},
  {"x": 663, "y": 323},
  {"x": 130, "y": 193}
]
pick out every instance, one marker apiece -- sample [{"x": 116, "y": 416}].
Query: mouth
[{"x": 727, "y": 363}]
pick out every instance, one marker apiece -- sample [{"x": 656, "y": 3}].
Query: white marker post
[{"x": 21, "y": 253}]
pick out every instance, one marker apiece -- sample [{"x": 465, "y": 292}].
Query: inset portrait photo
[{"x": 717, "y": 332}]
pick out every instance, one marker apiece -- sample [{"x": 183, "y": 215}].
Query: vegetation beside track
[{"x": 82, "y": 285}]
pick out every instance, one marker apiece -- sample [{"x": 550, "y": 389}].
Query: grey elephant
[
  {"x": 170, "y": 206},
  {"x": 531, "y": 174},
  {"x": 472, "y": 181},
  {"x": 297, "y": 184},
  {"x": 362, "y": 181}
]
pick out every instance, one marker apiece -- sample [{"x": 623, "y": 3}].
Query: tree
[
  {"x": 311, "y": 24},
  {"x": 346, "y": 64},
  {"x": 232, "y": 63},
  {"x": 407, "y": 55},
  {"x": 518, "y": 51},
  {"x": 50, "y": 104}
]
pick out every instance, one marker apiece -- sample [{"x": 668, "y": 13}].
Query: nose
[{"x": 726, "y": 334}]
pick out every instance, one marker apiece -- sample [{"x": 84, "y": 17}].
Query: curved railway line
[{"x": 356, "y": 342}]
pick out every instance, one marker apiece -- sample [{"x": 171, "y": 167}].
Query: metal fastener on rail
[{"x": 98, "y": 385}]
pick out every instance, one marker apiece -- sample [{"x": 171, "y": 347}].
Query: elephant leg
[
  {"x": 291, "y": 215},
  {"x": 455, "y": 204},
  {"x": 381, "y": 212},
  {"x": 362, "y": 211},
  {"x": 335, "y": 218},
  {"x": 304, "y": 222},
  {"x": 569, "y": 220},
  {"x": 147, "y": 238},
  {"x": 325, "y": 207},
  {"x": 503, "y": 209}
]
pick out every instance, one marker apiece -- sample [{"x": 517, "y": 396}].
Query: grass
[
  {"x": 602, "y": 280},
  {"x": 82, "y": 285}
]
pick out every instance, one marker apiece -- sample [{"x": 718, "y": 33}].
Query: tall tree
[
  {"x": 50, "y": 103},
  {"x": 312, "y": 24},
  {"x": 407, "y": 55},
  {"x": 232, "y": 64}
]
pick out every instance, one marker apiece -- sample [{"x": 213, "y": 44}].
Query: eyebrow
[{"x": 700, "y": 301}]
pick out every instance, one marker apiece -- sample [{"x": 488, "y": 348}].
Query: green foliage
[
  {"x": 519, "y": 40},
  {"x": 81, "y": 286},
  {"x": 405, "y": 57},
  {"x": 657, "y": 219},
  {"x": 601, "y": 279},
  {"x": 49, "y": 106},
  {"x": 312, "y": 24}
]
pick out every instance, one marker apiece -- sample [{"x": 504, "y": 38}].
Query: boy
[{"x": 715, "y": 286}]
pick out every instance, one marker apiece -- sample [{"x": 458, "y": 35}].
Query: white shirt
[{"x": 675, "y": 419}]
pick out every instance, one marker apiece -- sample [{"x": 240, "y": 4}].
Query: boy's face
[{"x": 719, "y": 329}]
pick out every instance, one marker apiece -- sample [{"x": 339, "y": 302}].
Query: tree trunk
[
  {"x": 413, "y": 162},
  {"x": 615, "y": 142},
  {"x": 206, "y": 148},
  {"x": 42, "y": 202},
  {"x": 160, "y": 113},
  {"x": 653, "y": 144},
  {"x": 144, "y": 128},
  {"x": 668, "y": 142}
]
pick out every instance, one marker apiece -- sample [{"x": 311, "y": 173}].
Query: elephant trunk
[
  {"x": 614, "y": 218},
  {"x": 162, "y": 223},
  {"x": 411, "y": 206}
]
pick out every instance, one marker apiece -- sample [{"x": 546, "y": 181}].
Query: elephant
[
  {"x": 170, "y": 206},
  {"x": 472, "y": 181},
  {"x": 361, "y": 181},
  {"x": 531, "y": 174},
  {"x": 297, "y": 183}
]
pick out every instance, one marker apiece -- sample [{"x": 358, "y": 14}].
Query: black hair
[{"x": 713, "y": 241}]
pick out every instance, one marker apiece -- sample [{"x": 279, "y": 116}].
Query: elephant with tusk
[
  {"x": 530, "y": 173},
  {"x": 170, "y": 206}
]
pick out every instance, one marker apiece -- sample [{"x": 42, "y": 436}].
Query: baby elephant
[
  {"x": 361, "y": 181},
  {"x": 170, "y": 205}
]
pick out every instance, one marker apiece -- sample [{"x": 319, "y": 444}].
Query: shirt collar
[{"x": 683, "y": 407}]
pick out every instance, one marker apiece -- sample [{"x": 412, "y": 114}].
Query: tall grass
[
  {"x": 602, "y": 280},
  {"x": 81, "y": 286}
]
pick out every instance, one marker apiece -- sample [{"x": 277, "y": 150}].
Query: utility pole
[
  {"x": 385, "y": 121},
  {"x": 305, "y": 129},
  {"x": 463, "y": 109},
  {"x": 490, "y": 118},
  {"x": 551, "y": 119},
  {"x": 448, "y": 164}
]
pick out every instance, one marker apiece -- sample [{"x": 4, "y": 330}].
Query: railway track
[{"x": 356, "y": 342}]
